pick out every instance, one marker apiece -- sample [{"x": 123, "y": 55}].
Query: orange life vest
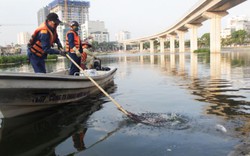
[
  {"x": 77, "y": 41},
  {"x": 36, "y": 45},
  {"x": 83, "y": 60}
]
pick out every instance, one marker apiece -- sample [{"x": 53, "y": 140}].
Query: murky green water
[{"x": 202, "y": 99}]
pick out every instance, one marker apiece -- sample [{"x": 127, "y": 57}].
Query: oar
[{"x": 99, "y": 87}]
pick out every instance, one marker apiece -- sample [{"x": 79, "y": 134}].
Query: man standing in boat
[
  {"x": 74, "y": 46},
  {"x": 41, "y": 43}
]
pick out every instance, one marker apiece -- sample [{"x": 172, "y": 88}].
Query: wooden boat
[{"x": 22, "y": 93}]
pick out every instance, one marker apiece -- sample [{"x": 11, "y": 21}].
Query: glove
[
  {"x": 59, "y": 46},
  {"x": 61, "y": 49},
  {"x": 85, "y": 50},
  {"x": 63, "y": 53},
  {"x": 78, "y": 54}
]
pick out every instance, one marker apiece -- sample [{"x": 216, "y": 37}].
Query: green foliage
[
  {"x": 204, "y": 41},
  {"x": 52, "y": 57},
  {"x": 13, "y": 59},
  {"x": 239, "y": 37},
  {"x": 202, "y": 50},
  {"x": 18, "y": 59},
  {"x": 239, "y": 63},
  {"x": 105, "y": 46},
  {"x": 226, "y": 41},
  {"x": 146, "y": 45}
]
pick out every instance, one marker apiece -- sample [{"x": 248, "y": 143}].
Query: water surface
[{"x": 203, "y": 99}]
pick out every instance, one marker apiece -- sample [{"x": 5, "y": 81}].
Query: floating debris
[{"x": 220, "y": 128}]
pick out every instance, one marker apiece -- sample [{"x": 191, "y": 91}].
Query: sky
[{"x": 139, "y": 17}]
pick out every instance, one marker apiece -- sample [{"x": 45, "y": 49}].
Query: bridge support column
[
  {"x": 141, "y": 46},
  {"x": 162, "y": 40},
  {"x": 172, "y": 43},
  {"x": 125, "y": 47},
  {"x": 215, "y": 30},
  {"x": 193, "y": 28},
  {"x": 151, "y": 46},
  {"x": 181, "y": 35}
]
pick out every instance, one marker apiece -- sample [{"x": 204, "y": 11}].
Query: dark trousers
[
  {"x": 73, "y": 68},
  {"x": 37, "y": 62}
]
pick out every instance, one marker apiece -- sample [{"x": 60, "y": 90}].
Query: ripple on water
[{"x": 166, "y": 120}]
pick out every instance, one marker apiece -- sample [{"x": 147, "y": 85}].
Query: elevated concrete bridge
[{"x": 212, "y": 10}]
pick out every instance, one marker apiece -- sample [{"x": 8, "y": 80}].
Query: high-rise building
[
  {"x": 67, "y": 11},
  {"x": 42, "y": 14},
  {"x": 122, "y": 35},
  {"x": 95, "y": 29},
  {"x": 74, "y": 10}
]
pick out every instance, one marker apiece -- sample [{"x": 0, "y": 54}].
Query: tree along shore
[{"x": 20, "y": 59}]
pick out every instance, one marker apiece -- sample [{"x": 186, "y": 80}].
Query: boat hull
[{"x": 25, "y": 93}]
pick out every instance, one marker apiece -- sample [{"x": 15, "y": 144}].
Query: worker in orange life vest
[
  {"x": 85, "y": 46},
  {"x": 74, "y": 46},
  {"x": 41, "y": 42}
]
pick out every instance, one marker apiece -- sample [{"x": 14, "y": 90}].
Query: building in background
[
  {"x": 61, "y": 32},
  {"x": 67, "y": 10},
  {"x": 95, "y": 29},
  {"x": 74, "y": 10},
  {"x": 239, "y": 23},
  {"x": 225, "y": 33},
  {"x": 42, "y": 14},
  {"x": 122, "y": 35},
  {"x": 23, "y": 38},
  {"x": 236, "y": 23}
]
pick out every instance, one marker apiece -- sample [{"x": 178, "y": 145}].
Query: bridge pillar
[
  {"x": 125, "y": 47},
  {"x": 151, "y": 46},
  {"x": 141, "y": 46},
  {"x": 162, "y": 40},
  {"x": 193, "y": 28},
  {"x": 215, "y": 30},
  {"x": 181, "y": 35},
  {"x": 172, "y": 43},
  {"x": 194, "y": 65}
]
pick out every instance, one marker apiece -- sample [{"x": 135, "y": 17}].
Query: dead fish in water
[{"x": 220, "y": 128}]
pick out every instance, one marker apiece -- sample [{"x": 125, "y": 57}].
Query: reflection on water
[
  {"x": 203, "y": 99},
  {"x": 37, "y": 133}
]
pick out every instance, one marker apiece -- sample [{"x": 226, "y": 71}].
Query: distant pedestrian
[{"x": 41, "y": 43}]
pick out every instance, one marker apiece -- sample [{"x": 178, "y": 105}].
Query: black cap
[
  {"x": 53, "y": 17},
  {"x": 74, "y": 23}
]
